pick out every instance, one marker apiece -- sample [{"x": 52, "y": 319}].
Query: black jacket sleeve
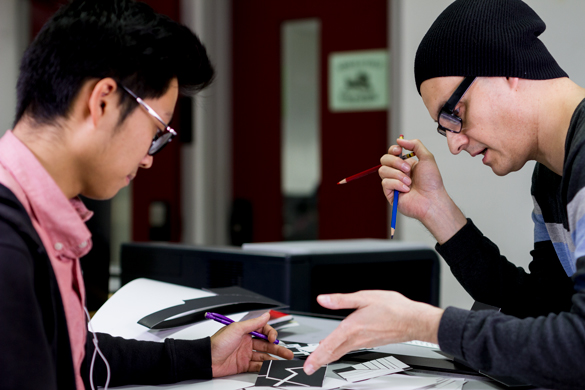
[
  {"x": 490, "y": 278},
  {"x": 545, "y": 348},
  {"x": 147, "y": 362}
]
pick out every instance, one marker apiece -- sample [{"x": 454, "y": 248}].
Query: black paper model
[{"x": 228, "y": 301}]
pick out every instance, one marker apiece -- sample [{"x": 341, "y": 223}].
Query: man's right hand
[
  {"x": 380, "y": 318},
  {"x": 423, "y": 195}
]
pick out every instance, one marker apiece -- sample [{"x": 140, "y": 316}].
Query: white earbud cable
[{"x": 95, "y": 352}]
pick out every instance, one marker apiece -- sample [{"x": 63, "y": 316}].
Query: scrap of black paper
[{"x": 288, "y": 373}]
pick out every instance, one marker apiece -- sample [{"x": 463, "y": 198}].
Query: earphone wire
[{"x": 95, "y": 352}]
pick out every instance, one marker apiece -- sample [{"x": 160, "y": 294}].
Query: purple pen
[
  {"x": 220, "y": 320},
  {"x": 211, "y": 316},
  {"x": 226, "y": 321}
]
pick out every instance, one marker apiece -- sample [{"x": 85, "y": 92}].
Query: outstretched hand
[
  {"x": 233, "y": 350},
  {"x": 382, "y": 317}
]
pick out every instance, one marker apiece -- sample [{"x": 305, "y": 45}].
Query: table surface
[{"x": 312, "y": 330}]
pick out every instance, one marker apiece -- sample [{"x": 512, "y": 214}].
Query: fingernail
[
  {"x": 406, "y": 180},
  {"x": 405, "y": 187},
  {"x": 396, "y": 149},
  {"x": 309, "y": 369},
  {"x": 405, "y": 167},
  {"x": 325, "y": 299}
]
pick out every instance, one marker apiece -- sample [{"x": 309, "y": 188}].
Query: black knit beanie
[{"x": 487, "y": 38}]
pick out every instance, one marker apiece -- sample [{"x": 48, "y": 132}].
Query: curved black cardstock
[{"x": 194, "y": 309}]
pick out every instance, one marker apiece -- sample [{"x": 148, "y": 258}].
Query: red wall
[
  {"x": 162, "y": 182},
  {"x": 351, "y": 142}
]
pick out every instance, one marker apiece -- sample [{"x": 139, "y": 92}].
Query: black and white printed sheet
[
  {"x": 288, "y": 373},
  {"x": 372, "y": 369}
]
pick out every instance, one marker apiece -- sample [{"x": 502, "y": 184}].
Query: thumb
[
  {"x": 338, "y": 301},
  {"x": 255, "y": 323},
  {"x": 421, "y": 152}
]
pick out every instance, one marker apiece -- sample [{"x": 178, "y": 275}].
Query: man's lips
[
  {"x": 480, "y": 152},
  {"x": 484, "y": 159}
]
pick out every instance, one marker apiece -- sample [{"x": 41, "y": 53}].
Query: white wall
[
  {"x": 14, "y": 37},
  {"x": 500, "y": 207}
]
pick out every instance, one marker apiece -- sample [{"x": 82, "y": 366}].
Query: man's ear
[{"x": 103, "y": 99}]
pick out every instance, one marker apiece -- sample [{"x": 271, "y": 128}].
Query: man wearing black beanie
[{"x": 495, "y": 91}]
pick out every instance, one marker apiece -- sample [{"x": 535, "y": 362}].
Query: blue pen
[{"x": 226, "y": 321}]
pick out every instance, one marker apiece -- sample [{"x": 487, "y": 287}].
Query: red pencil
[{"x": 371, "y": 170}]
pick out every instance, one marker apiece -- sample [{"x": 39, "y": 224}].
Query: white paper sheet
[
  {"x": 449, "y": 383},
  {"x": 395, "y": 381},
  {"x": 120, "y": 314}
]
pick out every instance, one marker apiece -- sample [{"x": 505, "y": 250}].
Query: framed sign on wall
[{"x": 358, "y": 80}]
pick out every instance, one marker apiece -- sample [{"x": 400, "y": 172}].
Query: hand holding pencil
[{"x": 422, "y": 194}]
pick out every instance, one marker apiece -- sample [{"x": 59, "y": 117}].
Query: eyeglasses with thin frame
[
  {"x": 448, "y": 119},
  {"x": 163, "y": 136}
]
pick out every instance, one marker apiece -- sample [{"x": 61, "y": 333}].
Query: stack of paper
[
  {"x": 279, "y": 320},
  {"x": 407, "y": 382},
  {"x": 372, "y": 369}
]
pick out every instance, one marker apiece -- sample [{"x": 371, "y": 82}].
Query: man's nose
[
  {"x": 147, "y": 161},
  {"x": 456, "y": 142}
]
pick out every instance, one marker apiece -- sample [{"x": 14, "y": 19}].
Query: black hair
[{"x": 121, "y": 39}]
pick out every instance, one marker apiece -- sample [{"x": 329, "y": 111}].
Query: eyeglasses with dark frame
[
  {"x": 448, "y": 119},
  {"x": 162, "y": 137}
]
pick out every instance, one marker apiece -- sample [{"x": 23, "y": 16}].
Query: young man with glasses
[
  {"x": 494, "y": 91},
  {"x": 96, "y": 90}
]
